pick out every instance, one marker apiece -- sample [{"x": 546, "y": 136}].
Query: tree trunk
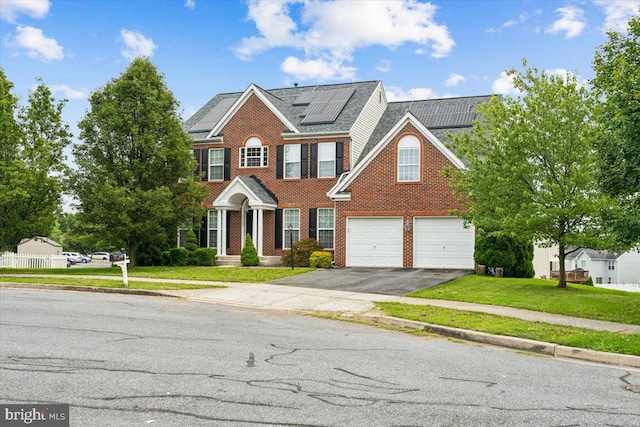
[
  {"x": 562, "y": 280},
  {"x": 131, "y": 256}
]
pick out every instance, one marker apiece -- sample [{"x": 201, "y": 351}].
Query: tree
[
  {"x": 249, "y": 255},
  {"x": 32, "y": 164},
  {"x": 531, "y": 165},
  {"x": 136, "y": 174},
  {"x": 617, "y": 83}
]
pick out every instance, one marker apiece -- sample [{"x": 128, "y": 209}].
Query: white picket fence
[{"x": 13, "y": 260}]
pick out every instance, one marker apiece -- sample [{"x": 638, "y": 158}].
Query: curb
[
  {"x": 86, "y": 289},
  {"x": 521, "y": 344}
]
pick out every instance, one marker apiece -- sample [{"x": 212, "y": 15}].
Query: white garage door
[
  {"x": 443, "y": 243},
  {"x": 374, "y": 242}
]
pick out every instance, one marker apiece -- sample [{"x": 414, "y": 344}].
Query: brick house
[{"x": 337, "y": 163}]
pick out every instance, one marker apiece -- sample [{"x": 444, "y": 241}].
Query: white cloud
[
  {"x": 333, "y": 30},
  {"x": 68, "y": 93},
  {"x": 395, "y": 94},
  {"x": 37, "y": 45},
  {"x": 618, "y": 12},
  {"x": 521, "y": 19},
  {"x": 191, "y": 4},
  {"x": 572, "y": 22},
  {"x": 10, "y": 9},
  {"x": 454, "y": 79},
  {"x": 566, "y": 74},
  {"x": 135, "y": 44},
  {"x": 503, "y": 85},
  {"x": 317, "y": 69},
  {"x": 384, "y": 66}
]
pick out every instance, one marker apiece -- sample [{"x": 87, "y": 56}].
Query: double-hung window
[
  {"x": 291, "y": 225},
  {"x": 292, "y": 161},
  {"x": 254, "y": 154},
  {"x": 409, "y": 159},
  {"x": 611, "y": 265},
  {"x": 327, "y": 159},
  {"x": 325, "y": 227},
  {"x": 216, "y": 164},
  {"x": 213, "y": 228}
]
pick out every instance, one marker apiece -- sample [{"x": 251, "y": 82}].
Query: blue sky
[{"x": 418, "y": 49}]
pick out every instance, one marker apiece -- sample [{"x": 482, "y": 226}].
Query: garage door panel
[
  {"x": 443, "y": 243},
  {"x": 374, "y": 242}
]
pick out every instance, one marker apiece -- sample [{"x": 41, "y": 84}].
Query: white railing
[
  {"x": 629, "y": 287},
  {"x": 12, "y": 260}
]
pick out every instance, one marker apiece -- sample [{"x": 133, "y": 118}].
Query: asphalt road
[{"x": 122, "y": 360}]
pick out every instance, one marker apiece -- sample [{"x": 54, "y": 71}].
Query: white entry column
[{"x": 221, "y": 244}]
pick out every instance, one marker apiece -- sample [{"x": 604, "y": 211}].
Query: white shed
[{"x": 39, "y": 246}]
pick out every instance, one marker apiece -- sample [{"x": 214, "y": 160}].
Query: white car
[
  {"x": 100, "y": 255},
  {"x": 74, "y": 257}
]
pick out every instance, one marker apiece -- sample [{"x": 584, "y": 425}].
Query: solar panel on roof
[
  {"x": 210, "y": 119},
  {"x": 304, "y": 98},
  {"x": 326, "y": 105},
  {"x": 445, "y": 115}
]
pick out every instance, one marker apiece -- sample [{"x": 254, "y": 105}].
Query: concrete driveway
[{"x": 385, "y": 281}]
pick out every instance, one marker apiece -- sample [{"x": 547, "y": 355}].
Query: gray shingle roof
[
  {"x": 435, "y": 114},
  {"x": 258, "y": 189},
  {"x": 595, "y": 254},
  {"x": 283, "y": 99},
  {"x": 44, "y": 239}
]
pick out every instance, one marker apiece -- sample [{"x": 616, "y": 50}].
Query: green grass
[
  {"x": 212, "y": 274},
  {"x": 541, "y": 295},
  {"x": 500, "y": 325},
  {"x": 104, "y": 283}
]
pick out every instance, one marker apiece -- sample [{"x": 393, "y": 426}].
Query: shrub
[
  {"x": 249, "y": 255},
  {"x": 165, "y": 258},
  {"x": 498, "y": 249},
  {"x": 178, "y": 256},
  {"x": 205, "y": 256},
  {"x": 191, "y": 241},
  {"x": 589, "y": 281},
  {"x": 320, "y": 259},
  {"x": 302, "y": 250}
]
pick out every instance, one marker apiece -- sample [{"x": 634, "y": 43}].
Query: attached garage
[
  {"x": 374, "y": 242},
  {"x": 443, "y": 242}
]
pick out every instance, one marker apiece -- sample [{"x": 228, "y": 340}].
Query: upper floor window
[
  {"x": 254, "y": 154},
  {"x": 326, "y": 159},
  {"x": 216, "y": 164},
  {"x": 409, "y": 159},
  {"x": 611, "y": 265},
  {"x": 292, "y": 161}
]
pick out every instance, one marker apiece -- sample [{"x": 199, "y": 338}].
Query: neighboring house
[
  {"x": 39, "y": 246},
  {"x": 604, "y": 267},
  {"x": 337, "y": 163},
  {"x": 607, "y": 267}
]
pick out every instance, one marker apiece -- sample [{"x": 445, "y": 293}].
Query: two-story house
[{"x": 337, "y": 163}]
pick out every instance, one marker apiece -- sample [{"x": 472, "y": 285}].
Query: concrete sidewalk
[{"x": 361, "y": 306}]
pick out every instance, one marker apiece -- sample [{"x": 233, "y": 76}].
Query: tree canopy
[
  {"x": 32, "y": 167},
  {"x": 136, "y": 173},
  {"x": 617, "y": 83},
  {"x": 531, "y": 163}
]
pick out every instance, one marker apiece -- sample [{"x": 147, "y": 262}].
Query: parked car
[
  {"x": 85, "y": 259},
  {"x": 116, "y": 256},
  {"x": 74, "y": 257},
  {"x": 100, "y": 255}
]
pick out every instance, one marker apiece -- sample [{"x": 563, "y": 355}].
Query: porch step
[{"x": 234, "y": 261}]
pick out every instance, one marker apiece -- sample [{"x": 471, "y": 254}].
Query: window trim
[
  {"x": 285, "y": 227},
  {"x": 216, "y": 165},
  {"x": 333, "y": 228},
  {"x": 408, "y": 143},
  {"x": 333, "y": 159},
  {"x": 253, "y": 143}
]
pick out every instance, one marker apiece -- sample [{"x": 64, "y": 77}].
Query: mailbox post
[{"x": 123, "y": 266}]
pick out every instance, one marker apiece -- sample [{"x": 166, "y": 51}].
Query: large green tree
[
  {"x": 617, "y": 82},
  {"x": 135, "y": 181},
  {"x": 32, "y": 168},
  {"x": 531, "y": 164}
]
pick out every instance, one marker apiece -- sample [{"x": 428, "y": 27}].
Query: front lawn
[
  {"x": 211, "y": 274},
  {"x": 541, "y": 295},
  {"x": 104, "y": 283},
  {"x": 559, "y": 334}
]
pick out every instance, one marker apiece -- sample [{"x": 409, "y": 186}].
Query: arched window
[
  {"x": 254, "y": 154},
  {"x": 409, "y": 159}
]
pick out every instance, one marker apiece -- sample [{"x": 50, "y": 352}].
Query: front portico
[{"x": 250, "y": 198}]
